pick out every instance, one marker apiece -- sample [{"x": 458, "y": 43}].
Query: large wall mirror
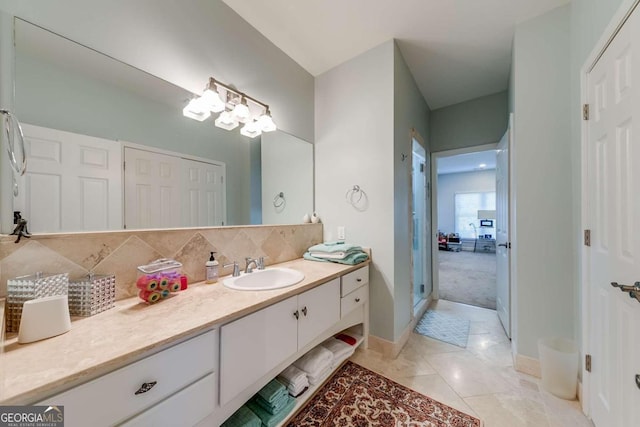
[{"x": 82, "y": 108}]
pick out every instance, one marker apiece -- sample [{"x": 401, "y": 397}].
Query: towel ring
[
  {"x": 279, "y": 200},
  {"x": 351, "y": 193},
  {"x": 12, "y": 128}
]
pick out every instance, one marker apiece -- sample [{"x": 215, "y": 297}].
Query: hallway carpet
[{"x": 468, "y": 277}]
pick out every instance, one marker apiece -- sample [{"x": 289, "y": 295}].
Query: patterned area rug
[
  {"x": 444, "y": 327},
  {"x": 356, "y": 396}
]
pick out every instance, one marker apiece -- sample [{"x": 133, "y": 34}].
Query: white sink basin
[{"x": 261, "y": 280}]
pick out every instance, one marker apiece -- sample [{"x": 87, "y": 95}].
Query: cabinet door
[
  {"x": 319, "y": 309},
  {"x": 252, "y": 346}
]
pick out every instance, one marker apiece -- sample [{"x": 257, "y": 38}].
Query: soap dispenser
[{"x": 211, "y": 275}]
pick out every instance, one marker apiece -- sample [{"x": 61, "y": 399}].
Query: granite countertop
[{"x": 109, "y": 340}]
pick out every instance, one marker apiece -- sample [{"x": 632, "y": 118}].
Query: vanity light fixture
[
  {"x": 234, "y": 108},
  {"x": 197, "y": 110},
  {"x": 226, "y": 121}
]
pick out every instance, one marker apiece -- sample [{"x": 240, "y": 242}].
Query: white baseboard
[
  {"x": 527, "y": 365},
  {"x": 391, "y": 349}
]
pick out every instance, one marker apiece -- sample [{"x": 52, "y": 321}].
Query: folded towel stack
[
  {"x": 272, "y": 403},
  {"x": 340, "y": 349},
  {"x": 243, "y": 417},
  {"x": 295, "y": 380},
  {"x": 340, "y": 252},
  {"x": 316, "y": 364}
]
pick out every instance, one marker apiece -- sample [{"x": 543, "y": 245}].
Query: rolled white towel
[
  {"x": 292, "y": 375},
  {"x": 315, "y": 361}
]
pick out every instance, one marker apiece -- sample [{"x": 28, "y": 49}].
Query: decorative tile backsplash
[{"x": 120, "y": 252}]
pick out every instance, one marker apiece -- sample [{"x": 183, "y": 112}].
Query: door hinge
[
  {"x": 421, "y": 167},
  {"x": 422, "y": 289},
  {"x": 585, "y": 112},
  {"x": 587, "y": 362},
  {"x": 587, "y": 237},
  {"x": 124, "y": 166}
]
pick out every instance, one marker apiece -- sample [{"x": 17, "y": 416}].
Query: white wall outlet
[{"x": 341, "y": 232}]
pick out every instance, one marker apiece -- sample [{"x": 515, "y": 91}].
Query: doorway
[
  {"x": 466, "y": 227},
  {"x": 421, "y": 224}
]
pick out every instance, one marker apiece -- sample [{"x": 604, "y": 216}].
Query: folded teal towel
[
  {"x": 270, "y": 420},
  {"x": 274, "y": 406},
  {"x": 331, "y": 247},
  {"x": 351, "y": 259},
  {"x": 243, "y": 417},
  {"x": 274, "y": 390}
]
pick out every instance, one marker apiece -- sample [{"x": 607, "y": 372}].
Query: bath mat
[
  {"x": 444, "y": 327},
  {"x": 356, "y": 396}
]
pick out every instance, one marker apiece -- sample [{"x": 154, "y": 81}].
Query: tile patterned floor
[{"x": 479, "y": 380}]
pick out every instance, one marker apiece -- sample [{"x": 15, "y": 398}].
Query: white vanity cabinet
[
  {"x": 159, "y": 384},
  {"x": 252, "y": 346},
  {"x": 354, "y": 290}
]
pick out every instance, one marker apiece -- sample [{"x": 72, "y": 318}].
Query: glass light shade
[
  {"x": 197, "y": 110},
  {"x": 226, "y": 121},
  {"x": 251, "y": 129},
  {"x": 241, "y": 112},
  {"x": 212, "y": 100},
  {"x": 266, "y": 124}
]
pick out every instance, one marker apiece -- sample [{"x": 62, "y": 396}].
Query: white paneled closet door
[
  {"x": 203, "y": 194},
  {"x": 613, "y": 147},
  {"x": 152, "y": 190},
  {"x": 73, "y": 182}
]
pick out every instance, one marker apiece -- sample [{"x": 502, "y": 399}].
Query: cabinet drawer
[
  {"x": 353, "y": 300},
  {"x": 353, "y": 280},
  {"x": 110, "y": 399},
  {"x": 185, "y": 408}
]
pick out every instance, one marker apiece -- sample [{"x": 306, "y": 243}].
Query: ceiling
[
  {"x": 467, "y": 162},
  {"x": 457, "y": 50}
]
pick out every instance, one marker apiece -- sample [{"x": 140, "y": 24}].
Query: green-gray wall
[
  {"x": 544, "y": 251},
  {"x": 410, "y": 112},
  {"x": 365, "y": 110},
  {"x": 471, "y": 123}
]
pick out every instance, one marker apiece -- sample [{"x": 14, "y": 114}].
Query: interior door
[
  {"x": 73, "y": 182},
  {"x": 202, "y": 194},
  {"x": 152, "y": 187},
  {"x": 614, "y": 214},
  {"x": 503, "y": 245}
]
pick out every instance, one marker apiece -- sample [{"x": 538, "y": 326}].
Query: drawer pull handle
[
  {"x": 357, "y": 299},
  {"x": 304, "y": 310},
  {"x": 358, "y": 280},
  {"x": 297, "y": 314},
  {"x": 145, "y": 387}
]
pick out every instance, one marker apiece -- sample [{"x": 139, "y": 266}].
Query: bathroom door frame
[{"x": 435, "y": 156}]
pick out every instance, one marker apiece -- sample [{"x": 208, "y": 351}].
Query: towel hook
[{"x": 279, "y": 200}]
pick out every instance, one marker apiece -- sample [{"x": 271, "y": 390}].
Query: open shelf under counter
[{"x": 305, "y": 397}]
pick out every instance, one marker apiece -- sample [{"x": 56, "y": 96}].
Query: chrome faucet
[
  {"x": 250, "y": 261},
  {"x": 236, "y": 268}
]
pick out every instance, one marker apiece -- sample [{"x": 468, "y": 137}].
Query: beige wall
[{"x": 121, "y": 252}]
